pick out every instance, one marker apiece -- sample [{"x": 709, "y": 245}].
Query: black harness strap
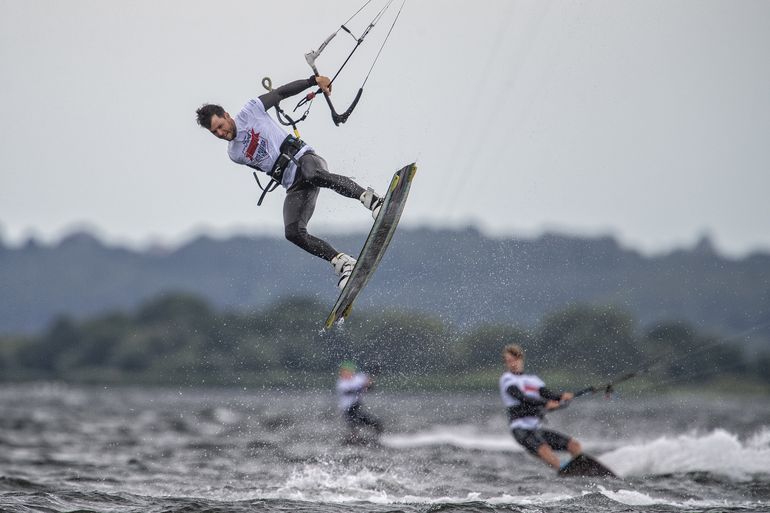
[
  {"x": 270, "y": 187},
  {"x": 289, "y": 149}
]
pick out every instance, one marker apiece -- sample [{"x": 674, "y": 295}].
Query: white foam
[
  {"x": 225, "y": 415},
  {"x": 464, "y": 437},
  {"x": 634, "y": 498},
  {"x": 718, "y": 452},
  {"x": 331, "y": 483},
  {"x": 335, "y": 483},
  {"x": 760, "y": 440}
]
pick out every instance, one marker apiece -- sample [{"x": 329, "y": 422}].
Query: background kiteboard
[
  {"x": 584, "y": 465},
  {"x": 376, "y": 243}
]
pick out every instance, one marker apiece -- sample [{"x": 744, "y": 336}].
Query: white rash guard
[
  {"x": 258, "y": 141},
  {"x": 350, "y": 391},
  {"x": 530, "y": 386}
]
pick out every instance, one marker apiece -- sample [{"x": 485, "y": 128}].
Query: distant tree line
[{"x": 180, "y": 339}]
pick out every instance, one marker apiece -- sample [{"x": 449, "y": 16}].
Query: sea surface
[{"x": 132, "y": 449}]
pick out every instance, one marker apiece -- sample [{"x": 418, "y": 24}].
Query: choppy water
[{"x": 195, "y": 450}]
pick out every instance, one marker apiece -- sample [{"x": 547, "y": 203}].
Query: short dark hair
[{"x": 206, "y": 112}]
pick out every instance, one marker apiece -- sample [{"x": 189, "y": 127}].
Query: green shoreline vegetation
[{"x": 179, "y": 339}]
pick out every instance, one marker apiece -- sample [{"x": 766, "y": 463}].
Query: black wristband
[{"x": 311, "y": 81}]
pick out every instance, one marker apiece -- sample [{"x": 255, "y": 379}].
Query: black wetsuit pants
[
  {"x": 532, "y": 439},
  {"x": 356, "y": 417},
  {"x": 298, "y": 207}
]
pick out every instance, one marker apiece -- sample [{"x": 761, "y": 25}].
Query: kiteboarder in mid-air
[{"x": 256, "y": 140}]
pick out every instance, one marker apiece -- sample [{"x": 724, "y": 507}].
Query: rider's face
[
  {"x": 513, "y": 363},
  {"x": 223, "y": 127}
]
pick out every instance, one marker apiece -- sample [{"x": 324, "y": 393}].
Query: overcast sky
[{"x": 646, "y": 120}]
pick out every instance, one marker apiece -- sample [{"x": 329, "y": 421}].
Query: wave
[
  {"x": 637, "y": 498},
  {"x": 321, "y": 485},
  {"x": 718, "y": 452},
  {"x": 462, "y": 437},
  {"x": 333, "y": 484}
]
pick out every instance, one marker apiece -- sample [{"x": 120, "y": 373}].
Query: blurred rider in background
[{"x": 351, "y": 387}]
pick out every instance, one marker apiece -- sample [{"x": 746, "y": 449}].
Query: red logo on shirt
[
  {"x": 252, "y": 148},
  {"x": 531, "y": 388}
]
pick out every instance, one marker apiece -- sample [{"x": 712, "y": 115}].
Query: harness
[
  {"x": 524, "y": 410},
  {"x": 288, "y": 151}
]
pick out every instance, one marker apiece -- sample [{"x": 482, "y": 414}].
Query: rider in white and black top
[
  {"x": 527, "y": 399},
  {"x": 256, "y": 140},
  {"x": 351, "y": 386}
]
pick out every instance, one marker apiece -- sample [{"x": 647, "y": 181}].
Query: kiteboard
[
  {"x": 375, "y": 245},
  {"x": 586, "y": 466}
]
